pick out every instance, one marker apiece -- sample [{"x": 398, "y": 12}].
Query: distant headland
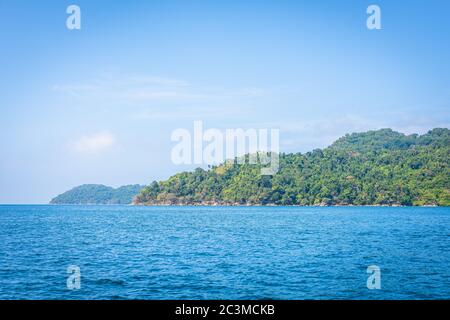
[{"x": 98, "y": 194}]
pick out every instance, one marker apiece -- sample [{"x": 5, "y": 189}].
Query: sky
[{"x": 99, "y": 104}]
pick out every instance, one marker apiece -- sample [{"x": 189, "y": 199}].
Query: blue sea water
[{"x": 127, "y": 252}]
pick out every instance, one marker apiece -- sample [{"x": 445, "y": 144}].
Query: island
[
  {"x": 98, "y": 194},
  {"x": 381, "y": 167}
]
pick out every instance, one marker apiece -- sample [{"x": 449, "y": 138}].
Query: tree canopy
[{"x": 381, "y": 167}]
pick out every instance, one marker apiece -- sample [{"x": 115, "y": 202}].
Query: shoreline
[{"x": 276, "y": 205}]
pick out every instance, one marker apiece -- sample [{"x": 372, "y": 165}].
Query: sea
[{"x": 176, "y": 252}]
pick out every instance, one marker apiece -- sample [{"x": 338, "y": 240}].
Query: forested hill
[
  {"x": 98, "y": 194},
  {"x": 380, "y": 167}
]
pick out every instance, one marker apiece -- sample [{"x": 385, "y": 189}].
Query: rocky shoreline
[{"x": 227, "y": 204}]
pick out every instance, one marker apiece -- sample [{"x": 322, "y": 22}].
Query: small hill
[{"x": 98, "y": 194}]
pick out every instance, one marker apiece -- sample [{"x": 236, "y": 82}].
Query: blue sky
[{"x": 98, "y": 105}]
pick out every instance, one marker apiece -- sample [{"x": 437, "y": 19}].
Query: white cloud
[
  {"x": 193, "y": 113},
  {"x": 152, "y": 80},
  {"x": 145, "y": 88},
  {"x": 308, "y": 134},
  {"x": 94, "y": 143},
  {"x": 74, "y": 90}
]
